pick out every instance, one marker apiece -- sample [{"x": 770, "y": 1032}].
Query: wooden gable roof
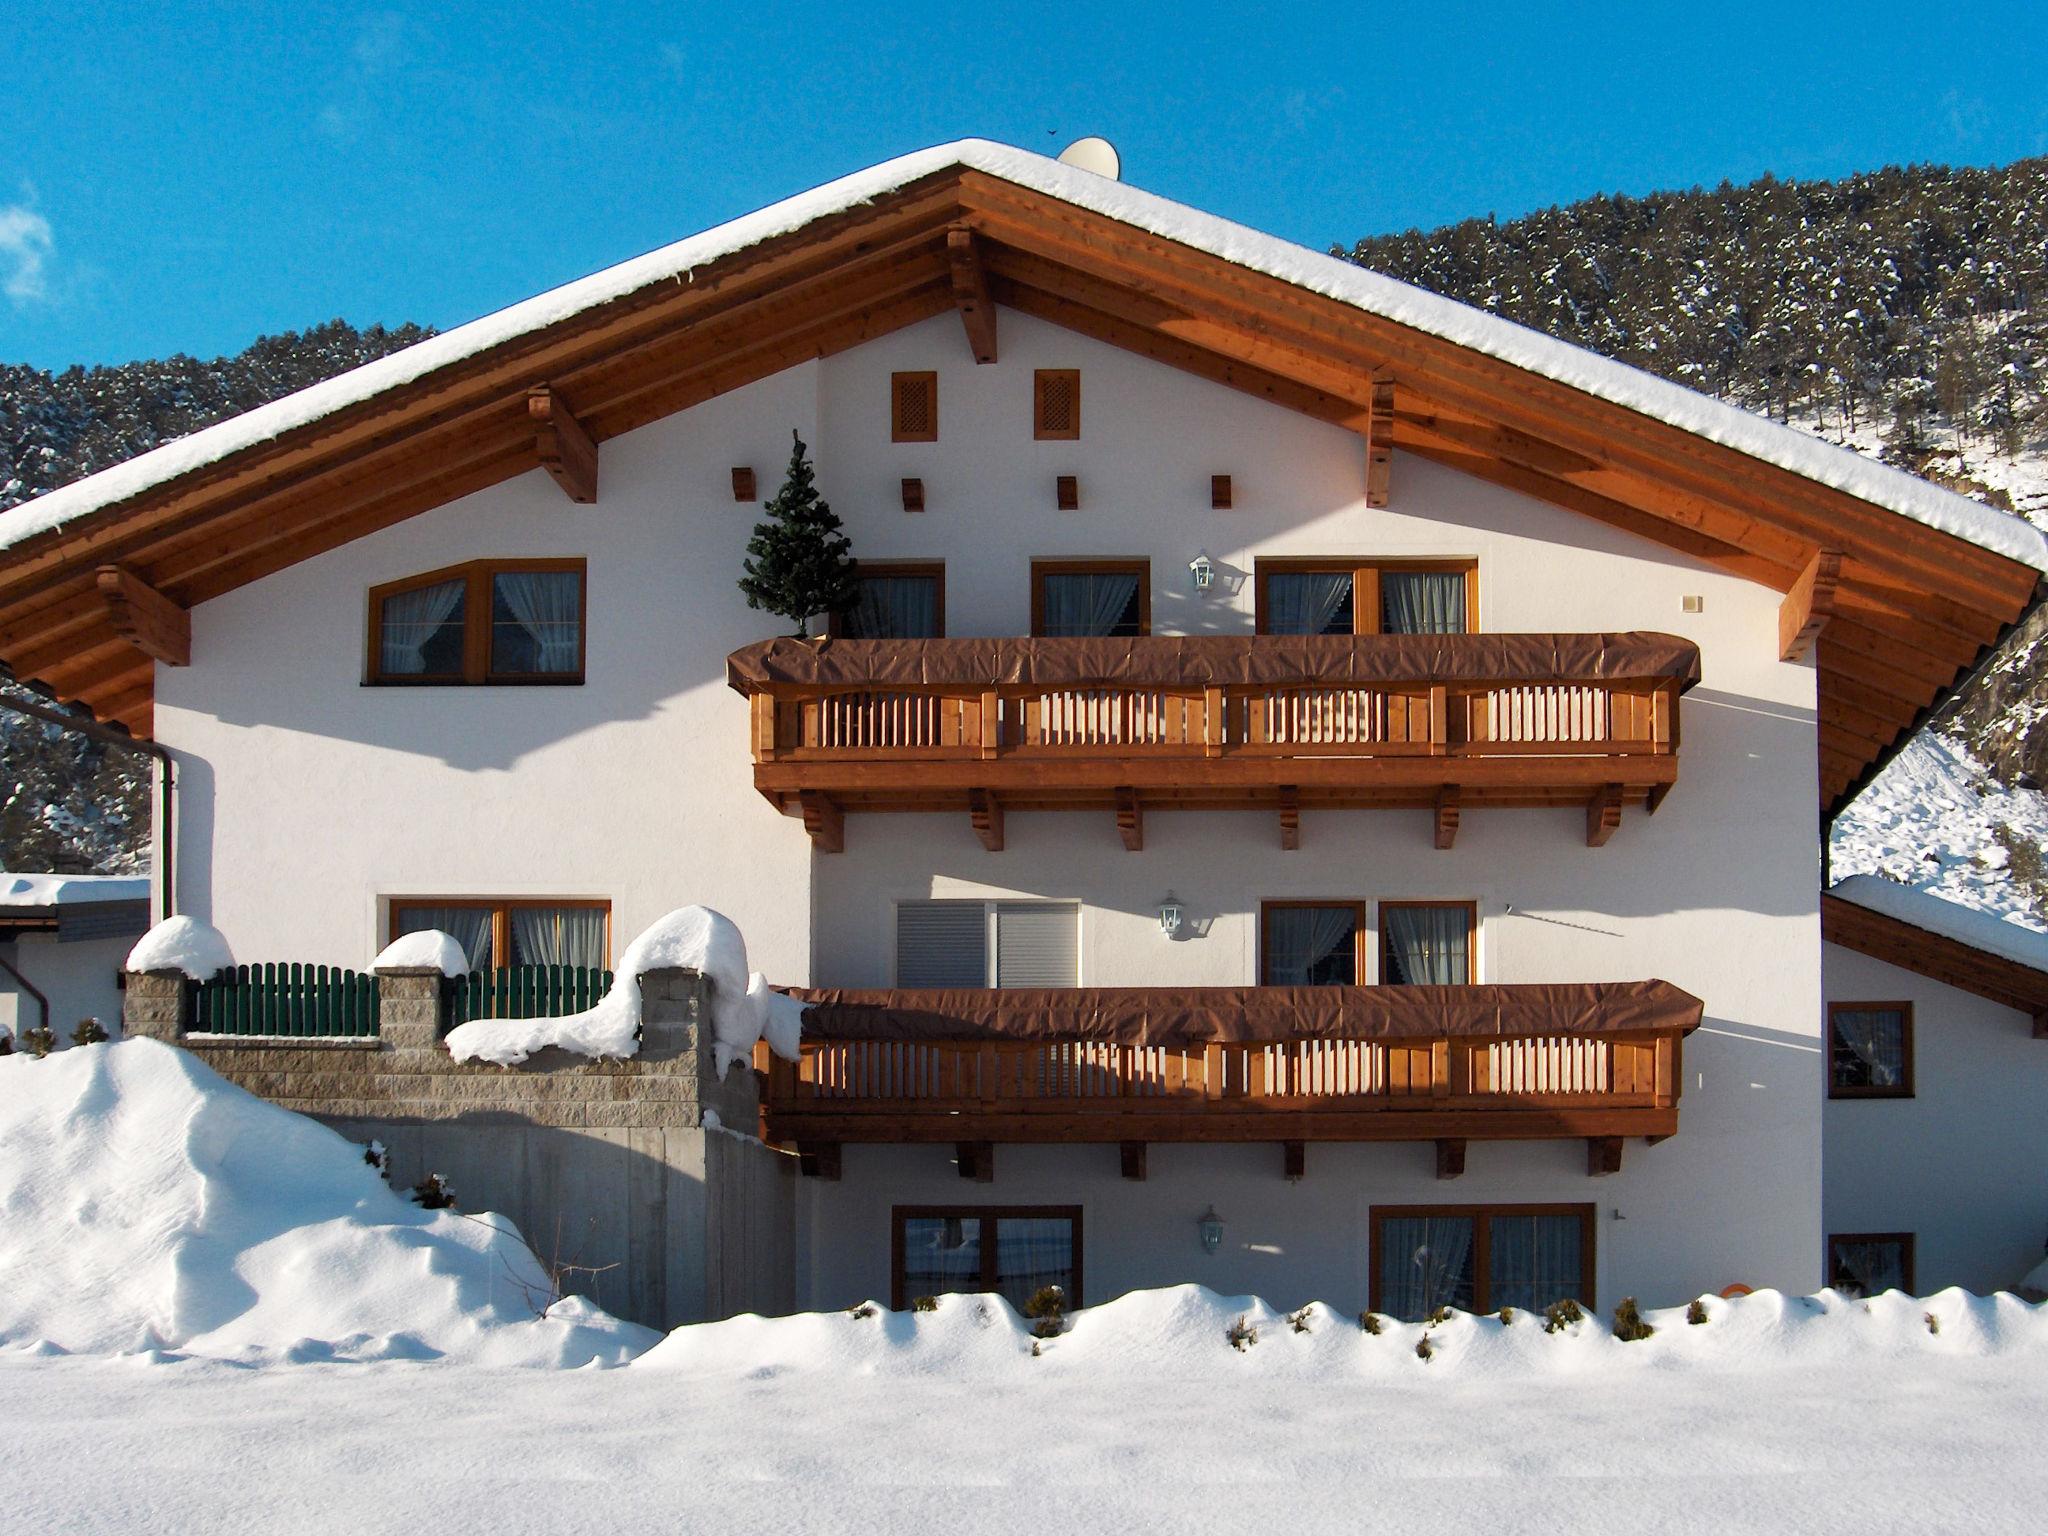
[
  {"x": 1904, "y": 604},
  {"x": 1939, "y": 956}
]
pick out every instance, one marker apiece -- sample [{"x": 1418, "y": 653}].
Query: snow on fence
[
  {"x": 313, "y": 1001},
  {"x": 525, "y": 992}
]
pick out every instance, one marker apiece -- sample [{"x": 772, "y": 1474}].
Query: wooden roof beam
[
  {"x": 1379, "y": 444},
  {"x": 1809, "y": 605},
  {"x": 563, "y": 444},
  {"x": 144, "y": 617},
  {"x": 1130, "y": 820},
  {"x": 970, "y": 293},
  {"x": 985, "y": 813}
]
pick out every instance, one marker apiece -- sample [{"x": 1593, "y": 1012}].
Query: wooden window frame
[
  {"x": 900, "y": 1214},
  {"x": 477, "y": 606},
  {"x": 835, "y": 624},
  {"x": 1039, "y": 378},
  {"x": 502, "y": 908},
  {"x": 1365, "y": 585},
  {"x": 1360, "y": 932},
  {"x": 1471, "y": 910},
  {"x": 1482, "y": 1244},
  {"x": 897, "y": 433},
  {"x": 1904, "y": 1089},
  {"x": 1906, "y": 1243},
  {"x": 1040, "y": 569}
]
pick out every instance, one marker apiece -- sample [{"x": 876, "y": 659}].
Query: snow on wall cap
[
  {"x": 185, "y": 944},
  {"x": 427, "y": 950},
  {"x": 1840, "y": 468},
  {"x": 36, "y": 890},
  {"x": 2001, "y": 936}
]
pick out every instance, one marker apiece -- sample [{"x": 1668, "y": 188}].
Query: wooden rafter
[
  {"x": 1294, "y": 1161},
  {"x": 824, "y": 822},
  {"x": 563, "y": 444},
  {"x": 1809, "y": 605},
  {"x": 1450, "y": 1157},
  {"x": 1130, "y": 820},
  {"x": 145, "y": 618},
  {"x": 1603, "y": 815},
  {"x": 1938, "y": 957},
  {"x": 1446, "y": 817},
  {"x": 1131, "y": 1159},
  {"x": 971, "y": 295},
  {"x": 1603, "y": 1156},
  {"x": 1290, "y": 818},
  {"x": 1379, "y": 445},
  {"x": 986, "y": 814}
]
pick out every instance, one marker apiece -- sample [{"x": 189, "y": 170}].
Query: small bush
[
  {"x": 89, "y": 1032},
  {"x": 860, "y": 1313},
  {"x": 1933, "y": 1323},
  {"x": 924, "y": 1303},
  {"x": 1036, "y": 1350},
  {"x": 1422, "y": 1348},
  {"x": 1560, "y": 1315},
  {"x": 1629, "y": 1326},
  {"x": 1046, "y": 1301},
  {"x": 1439, "y": 1317},
  {"x": 1369, "y": 1322},
  {"x": 1298, "y": 1321},
  {"x": 1243, "y": 1334},
  {"x": 6, "y": 1045},
  {"x": 1507, "y": 1317},
  {"x": 433, "y": 1193},
  {"x": 379, "y": 1159},
  {"x": 39, "y": 1042},
  {"x": 1696, "y": 1311}
]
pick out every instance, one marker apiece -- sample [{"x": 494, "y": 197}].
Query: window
[
  {"x": 490, "y": 621},
  {"x": 1479, "y": 1258},
  {"x": 988, "y": 944},
  {"x": 899, "y": 600},
  {"x": 913, "y": 407},
  {"x": 497, "y": 934},
  {"x": 1011, "y": 1250},
  {"x": 1869, "y": 1263},
  {"x": 1427, "y": 943},
  {"x": 1312, "y": 944},
  {"x": 1351, "y": 597},
  {"x": 1091, "y": 597},
  {"x": 1870, "y": 1050},
  {"x": 1056, "y": 404}
]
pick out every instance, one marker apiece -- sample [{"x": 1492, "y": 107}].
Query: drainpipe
[
  {"x": 113, "y": 736},
  {"x": 42, "y": 1002}
]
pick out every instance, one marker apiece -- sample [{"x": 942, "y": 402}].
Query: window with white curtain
[
  {"x": 1422, "y": 602},
  {"x": 1311, "y": 944},
  {"x": 1364, "y": 596},
  {"x": 1426, "y": 943},
  {"x": 1870, "y": 1050},
  {"x": 896, "y": 602},
  {"x": 536, "y": 623},
  {"x": 489, "y": 621},
  {"x": 497, "y": 934},
  {"x": 988, "y": 944},
  {"x": 1480, "y": 1258},
  {"x": 1090, "y": 597}
]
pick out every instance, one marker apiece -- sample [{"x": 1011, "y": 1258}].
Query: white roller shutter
[
  {"x": 1037, "y": 944},
  {"x": 942, "y": 944}
]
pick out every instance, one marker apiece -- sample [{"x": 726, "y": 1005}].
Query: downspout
[
  {"x": 167, "y": 784},
  {"x": 42, "y": 1002}
]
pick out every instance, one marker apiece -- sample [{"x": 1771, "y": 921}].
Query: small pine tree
[
  {"x": 797, "y": 561},
  {"x": 89, "y": 1032},
  {"x": 6, "y": 1045},
  {"x": 433, "y": 1193},
  {"x": 39, "y": 1041},
  {"x": 1629, "y": 1326}
]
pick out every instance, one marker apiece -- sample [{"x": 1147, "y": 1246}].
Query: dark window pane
[
  {"x": 571, "y": 936},
  {"x": 1869, "y": 1047},
  {"x": 1422, "y": 603},
  {"x": 419, "y": 633},
  {"x": 1426, "y": 946},
  {"x": 1033, "y": 1252},
  {"x": 1867, "y": 1266},
  {"x": 1425, "y": 1263},
  {"x": 941, "y": 1255},
  {"x": 1534, "y": 1260},
  {"x": 1311, "y": 947},
  {"x": 894, "y": 608},
  {"x": 536, "y": 623},
  {"x": 468, "y": 926},
  {"x": 1309, "y": 603},
  {"x": 1091, "y": 603}
]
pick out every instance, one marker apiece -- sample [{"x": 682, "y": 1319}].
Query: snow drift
[{"x": 152, "y": 1206}]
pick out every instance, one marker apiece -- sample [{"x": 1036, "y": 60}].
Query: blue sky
[{"x": 193, "y": 175}]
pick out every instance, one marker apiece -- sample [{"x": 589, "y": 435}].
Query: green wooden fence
[
  {"x": 315, "y": 1001},
  {"x": 526, "y": 992}
]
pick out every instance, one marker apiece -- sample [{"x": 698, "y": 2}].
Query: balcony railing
[
  {"x": 1371, "y": 1064},
  {"x": 1290, "y": 721}
]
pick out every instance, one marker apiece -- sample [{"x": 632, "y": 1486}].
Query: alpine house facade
[{"x": 1321, "y": 793}]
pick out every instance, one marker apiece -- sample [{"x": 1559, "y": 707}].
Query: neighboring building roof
[
  {"x": 1943, "y": 940},
  {"x": 74, "y": 907},
  {"x": 1927, "y": 580},
  {"x": 53, "y": 891}
]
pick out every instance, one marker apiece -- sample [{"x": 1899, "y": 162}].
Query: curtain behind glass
[
  {"x": 894, "y": 608},
  {"x": 1308, "y": 602},
  {"x": 468, "y": 926},
  {"x": 1533, "y": 1261},
  {"x": 1311, "y": 946},
  {"x": 941, "y": 1255},
  {"x": 1033, "y": 1252},
  {"x": 1870, "y": 1047},
  {"x": 1088, "y": 602},
  {"x": 1427, "y": 945},
  {"x": 558, "y": 936},
  {"x": 1868, "y": 1269},
  {"x": 1425, "y": 1263},
  {"x": 1422, "y": 602},
  {"x": 536, "y": 622},
  {"x": 408, "y": 621}
]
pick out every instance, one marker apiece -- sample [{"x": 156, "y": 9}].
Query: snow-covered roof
[
  {"x": 1951, "y": 920},
  {"x": 1788, "y": 449},
  {"x": 41, "y": 891}
]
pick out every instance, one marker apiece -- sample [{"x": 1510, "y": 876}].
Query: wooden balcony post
[
  {"x": 1667, "y": 1073},
  {"x": 1439, "y": 720},
  {"x": 1440, "y": 1069},
  {"x": 986, "y": 1068},
  {"x": 991, "y": 736},
  {"x": 1212, "y": 722},
  {"x": 764, "y": 727},
  {"x": 1212, "y": 1070}
]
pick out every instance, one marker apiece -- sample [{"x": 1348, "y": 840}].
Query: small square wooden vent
[
  {"x": 913, "y": 495},
  {"x": 914, "y": 407},
  {"x": 743, "y": 484},
  {"x": 1067, "y": 492},
  {"x": 1056, "y": 403},
  {"x": 1219, "y": 492}
]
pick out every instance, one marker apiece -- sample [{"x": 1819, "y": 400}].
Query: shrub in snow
[
  {"x": 1933, "y": 1323},
  {"x": 1369, "y": 1322},
  {"x": 433, "y": 1193},
  {"x": 1047, "y": 1306},
  {"x": 1439, "y": 1317},
  {"x": 375, "y": 1155},
  {"x": 1298, "y": 1321},
  {"x": 1507, "y": 1316},
  {"x": 1696, "y": 1311},
  {"x": 924, "y": 1303},
  {"x": 182, "y": 944},
  {"x": 1560, "y": 1315},
  {"x": 860, "y": 1312},
  {"x": 1629, "y": 1326},
  {"x": 39, "y": 1041},
  {"x": 89, "y": 1032},
  {"x": 6, "y": 1045},
  {"x": 1423, "y": 1349},
  {"x": 1242, "y": 1334}
]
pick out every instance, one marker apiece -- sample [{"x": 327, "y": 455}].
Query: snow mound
[
  {"x": 689, "y": 938},
  {"x": 430, "y": 949},
  {"x": 151, "y": 1205},
  {"x": 185, "y": 944},
  {"x": 1182, "y": 1333}
]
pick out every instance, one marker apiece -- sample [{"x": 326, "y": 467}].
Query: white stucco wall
[
  {"x": 1963, "y": 1164},
  {"x": 308, "y": 798},
  {"x": 81, "y": 980}
]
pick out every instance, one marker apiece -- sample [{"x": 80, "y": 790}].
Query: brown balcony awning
[
  {"x": 1202, "y": 1015},
  {"x": 1184, "y": 661}
]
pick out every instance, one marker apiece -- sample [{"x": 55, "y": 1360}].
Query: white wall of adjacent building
[
  {"x": 308, "y": 800},
  {"x": 1963, "y": 1163}
]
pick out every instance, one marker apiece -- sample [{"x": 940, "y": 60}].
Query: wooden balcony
[
  {"x": 1442, "y": 1064},
  {"x": 1440, "y": 722}
]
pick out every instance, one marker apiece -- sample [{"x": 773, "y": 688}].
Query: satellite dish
[{"x": 1093, "y": 154}]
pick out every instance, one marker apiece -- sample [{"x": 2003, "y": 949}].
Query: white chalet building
[{"x": 1322, "y": 794}]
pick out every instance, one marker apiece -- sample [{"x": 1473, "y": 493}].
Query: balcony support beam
[
  {"x": 1603, "y": 1156},
  {"x": 1290, "y": 818},
  {"x": 1131, "y": 1155},
  {"x": 1450, "y": 1157},
  {"x": 986, "y": 813},
  {"x": 976, "y": 1161},
  {"x": 1603, "y": 815},
  {"x": 1379, "y": 445},
  {"x": 818, "y": 1160},
  {"x": 1446, "y": 817},
  {"x": 144, "y": 617},
  {"x": 1130, "y": 820},
  {"x": 824, "y": 821},
  {"x": 1294, "y": 1160}
]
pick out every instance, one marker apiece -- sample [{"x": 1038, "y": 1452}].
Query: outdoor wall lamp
[
  {"x": 1210, "y": 1226},
  {"x": 1202, "y": 571},
  {"x": 1170, "y": 914}
]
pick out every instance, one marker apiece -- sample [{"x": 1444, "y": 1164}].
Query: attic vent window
[
  {"x": 914, "y": 407},
  {"x": 1056, "y": 411}
]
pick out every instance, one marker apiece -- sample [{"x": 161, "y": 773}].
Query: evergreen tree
[{"x": 797, "y": 561}]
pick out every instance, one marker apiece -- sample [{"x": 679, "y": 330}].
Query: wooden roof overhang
[
  {"x": 1936, "y": 956},
  {"x": 1908, "y": 609}
]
